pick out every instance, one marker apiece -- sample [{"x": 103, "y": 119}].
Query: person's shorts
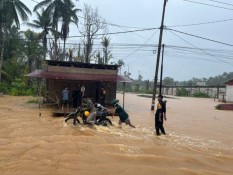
[{"x": 127, "y": 121}]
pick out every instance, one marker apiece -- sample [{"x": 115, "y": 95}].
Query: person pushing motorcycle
[{"x": 124, "y": 117}]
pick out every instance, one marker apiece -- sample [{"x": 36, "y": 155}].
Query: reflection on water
[{"x": 33, "y": 144}]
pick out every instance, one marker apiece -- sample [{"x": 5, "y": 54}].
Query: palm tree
[
  {"x": 52, "y": 7},
  {"x": 12, "y": 68},
  {"x": 32, "y": 49},
  {"x": 44, "y": 22},
  {"x": 105, "y": 42},
  {"x": 10, "y": 10},
  {"x": 69, "y": 14}
]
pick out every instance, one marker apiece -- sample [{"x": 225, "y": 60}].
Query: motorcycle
[{"x": 101, "y": 117}]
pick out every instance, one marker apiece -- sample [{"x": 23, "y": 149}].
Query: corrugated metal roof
[{"x": 75, "y": 76}]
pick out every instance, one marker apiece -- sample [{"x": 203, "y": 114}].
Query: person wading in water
[{"x": 160, "y": 115}]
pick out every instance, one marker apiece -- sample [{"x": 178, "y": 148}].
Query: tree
[
  {"x": 44, "y": 22},
  {"x": 127, "y": 74},
  {"x": 69, "y": 14},
  {"x": 105, "y": 42},
  {"x": 121, "y": 63},
  {"x": 10, "y": 10},
  {"x": 140, "y": 77},
  {"x": 92, "y": 24},
  {"x": 168, "y": 81},
  {"x": 33, "y": 50},
  {"x": 13, "y": 52},
  {"x": 53, "y": 7}
]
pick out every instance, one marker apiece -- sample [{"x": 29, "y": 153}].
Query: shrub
[
  {"x": 18, "y": 87},
  {"x": 35, "y": 101},
  {"x": 200, "y": 95},
  {"x": 4, "y": 88},
  {"x": 181, "y": 92},
  {"x": 217, "y": 107}
]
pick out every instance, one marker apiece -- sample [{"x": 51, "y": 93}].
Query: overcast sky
[{"x": 201, "y": 59}]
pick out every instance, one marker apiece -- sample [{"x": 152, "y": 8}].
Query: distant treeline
[{"x": 146, "y": 86}]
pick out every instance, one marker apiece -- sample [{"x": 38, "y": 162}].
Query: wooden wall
[{"x": 92, "y": 88}]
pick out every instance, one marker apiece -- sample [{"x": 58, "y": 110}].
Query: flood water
[{"x": 199, "y": 141}]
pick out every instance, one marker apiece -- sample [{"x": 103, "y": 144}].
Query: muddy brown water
[{"x": 199, "y": 141}]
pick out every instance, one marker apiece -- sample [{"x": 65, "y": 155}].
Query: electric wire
[
  {"x": 141, "y": 45},
  {"x": 208, "y": 5},
  {"x": 219, "y": 42},
  {"x": 201, "y": 49},
  {"x": 221, "y": 2},
  {"x": 202, "y": 23}
]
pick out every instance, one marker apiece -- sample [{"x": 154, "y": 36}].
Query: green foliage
[
  {"x": 181, "y": 92},
  {"x": 168, "y": 81},
  {"x": 218, "y": 107},
  {"x": 219, "y": 80},
  {"x": 18, "y": 87},
  {"x": 33, "y": 101},
  {"x": 200, "y": 95},
  {"x": 4, "y": 88}
]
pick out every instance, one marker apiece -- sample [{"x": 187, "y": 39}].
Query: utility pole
[
  {"x": 161, "y": 73},
  {"x": 158, "y": 57}
]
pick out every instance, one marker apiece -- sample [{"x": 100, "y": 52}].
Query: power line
[
  {"x": 221, "y": 2},
  {"x": 141, "y": 45},
  {"x": 206, "y": 49},
  {"x": 114, "y": 33},
  {"x": 219, "y": 42},
  {"x": 201, "y": 49},
  {"x": 202, "y": 23},
  {"x": 183, "y": 51},
  {"x": 179, "y": 57},
  {"x": 208, "y": 4}
]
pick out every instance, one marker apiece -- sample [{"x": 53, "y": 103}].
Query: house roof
[
  {"x": 229, "y": 82},
  {"x": 76, "y": 76},
  {"x": 81, "y": 65}
]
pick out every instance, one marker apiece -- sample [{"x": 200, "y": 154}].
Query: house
[
  {"x": 74, "y": 75},
  {"x": 201, "y": 83},
  {"x": 229, "y": 91}
]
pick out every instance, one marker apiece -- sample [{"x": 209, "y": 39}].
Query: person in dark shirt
[
  {"x": 124, "y": 117},
  {"x": 160, "y": 115}
]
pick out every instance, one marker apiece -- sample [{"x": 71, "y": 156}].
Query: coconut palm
[
  {"x": 44, "y": 22},
  {"x": 12, "y": 68},
  {"x": 52, "y": 7},
  {"x": 105, "y": 42},
  {"x": 69, "y": 15},
  {"x": 10, "y": 11},
  {"x": 32, "y": 49}
]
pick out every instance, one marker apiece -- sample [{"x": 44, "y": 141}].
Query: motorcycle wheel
[
  {"x": 72, "y": 116},
  {"x": 106, "y": 122}
]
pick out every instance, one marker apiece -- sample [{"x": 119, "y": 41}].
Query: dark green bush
[
  {"x": 217, "y": 107},
  {"x": 181, "y": 92},
  {"x": 18, "y": 87},
  {"x": 200, "y": 95},
  {"x": 4, "y": 88}
]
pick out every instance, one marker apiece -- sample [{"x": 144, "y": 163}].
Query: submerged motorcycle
[{"x": 101, "y": 117}]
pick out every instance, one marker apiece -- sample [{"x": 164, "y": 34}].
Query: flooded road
[{"x": 199, "y": 141}]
